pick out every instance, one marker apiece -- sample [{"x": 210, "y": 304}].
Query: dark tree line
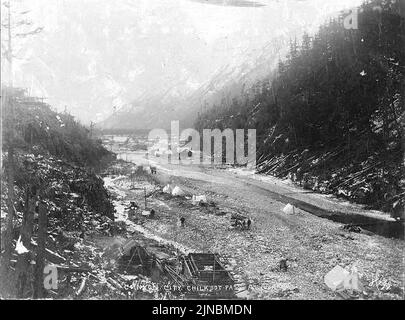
[
  {"x": 335, "y": 105},
  {"x": 40, "y": 130}
]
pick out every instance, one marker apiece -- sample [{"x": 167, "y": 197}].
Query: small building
[{"x": 205, "y": 268}]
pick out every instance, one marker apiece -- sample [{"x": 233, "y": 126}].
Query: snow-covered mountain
[{"x": 113, "y": 62}]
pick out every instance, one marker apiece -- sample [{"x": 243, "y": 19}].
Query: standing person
[
  {"x": 249, "y": 222},
  {"x": 182, "y": 221}
]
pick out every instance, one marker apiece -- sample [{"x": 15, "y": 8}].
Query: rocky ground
[
  {"x": 85, "y": 243},
  {"x": 311, "y": 245}
]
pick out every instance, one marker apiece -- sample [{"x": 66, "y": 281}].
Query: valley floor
[{"x": 311, "y": 245}]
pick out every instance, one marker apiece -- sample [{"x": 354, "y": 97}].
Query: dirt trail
[
  {"x": 313, "y": 245},
  {"x": 320, "y": 205}
]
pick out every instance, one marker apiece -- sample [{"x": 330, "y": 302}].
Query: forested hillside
[
  {"x": 37, "y": 128},
  {"x": 331, "y": 118},
  {"x": 51, "y": 195}
]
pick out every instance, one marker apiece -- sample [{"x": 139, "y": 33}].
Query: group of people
[
  {"x": 132, "y": 209},
  {"x": 244, "y": 224}
]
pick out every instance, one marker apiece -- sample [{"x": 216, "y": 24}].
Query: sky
[{"x": 96, "y": 56}]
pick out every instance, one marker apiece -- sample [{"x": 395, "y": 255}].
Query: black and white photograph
[{"x": 220, "y": 151}]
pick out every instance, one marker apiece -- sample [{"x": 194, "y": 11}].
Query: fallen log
[
  {"x": 50, "y": 255},
  {"x": 115, "y": 283},
  {"x": 82, "y": 286},
  {"x": 73, "y": 269}
]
